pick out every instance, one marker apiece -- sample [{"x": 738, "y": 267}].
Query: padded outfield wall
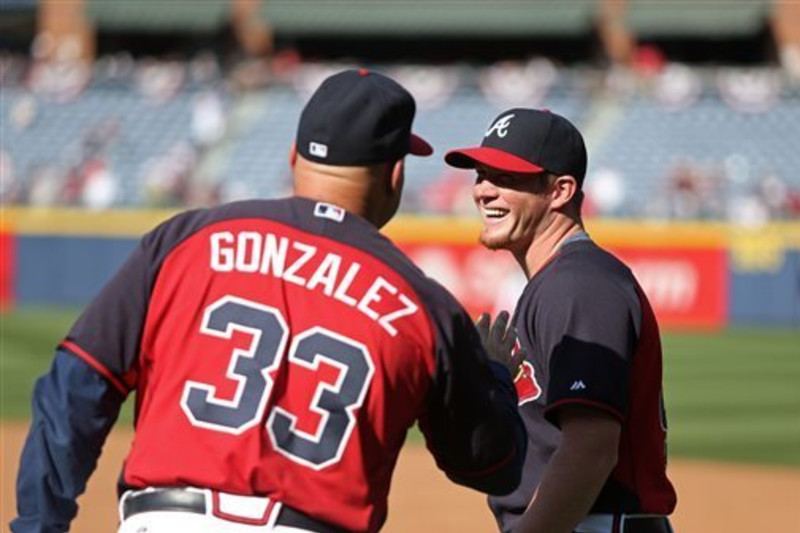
[{"x": 697, "y": 275}]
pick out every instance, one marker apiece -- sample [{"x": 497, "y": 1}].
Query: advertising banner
[{"x": 687, "y": 287}]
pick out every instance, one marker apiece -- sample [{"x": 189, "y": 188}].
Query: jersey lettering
[
  {"x": 306, "y": 253},
  {"x": 251, "y": 368},
  {"x": 254, "y": 253}
]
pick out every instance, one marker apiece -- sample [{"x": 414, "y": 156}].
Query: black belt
[
  {"x": 195, "y": 502},
  {"x": 630, "y": 524},
  {"x": 647, "y": 524}
]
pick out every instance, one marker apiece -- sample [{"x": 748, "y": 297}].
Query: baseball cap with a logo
[
  {"x": 527, "y": 140},
  {"x": 359, "y": 117}
]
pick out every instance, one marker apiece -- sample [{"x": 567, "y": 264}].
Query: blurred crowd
[{"x": 186, "y": 172}]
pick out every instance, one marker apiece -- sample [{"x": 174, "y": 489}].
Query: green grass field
[{"x": 731, "y": 396}]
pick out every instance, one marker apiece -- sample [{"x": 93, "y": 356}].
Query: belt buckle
[{"x": 250, "y": 510}]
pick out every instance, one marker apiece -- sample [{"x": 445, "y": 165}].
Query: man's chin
[{"x": 494, "y": 243}]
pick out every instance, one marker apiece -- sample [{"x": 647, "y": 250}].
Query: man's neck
[{"x": 546, "y": 244}]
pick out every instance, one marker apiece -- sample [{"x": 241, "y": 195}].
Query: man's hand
[{"x": 499, "y": 341}]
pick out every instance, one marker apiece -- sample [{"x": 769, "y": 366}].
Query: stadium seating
[{"x": 643, "y": 140}]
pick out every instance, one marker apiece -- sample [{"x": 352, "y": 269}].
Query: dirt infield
[{"x": 713, "y": 497}]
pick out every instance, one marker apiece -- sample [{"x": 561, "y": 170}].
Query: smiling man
[{"x": 591, "y": 373}]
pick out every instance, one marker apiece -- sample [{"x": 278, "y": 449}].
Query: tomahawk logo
[
  {"x": 528, "y": 388},
  {"x": 500, "y": 126}
]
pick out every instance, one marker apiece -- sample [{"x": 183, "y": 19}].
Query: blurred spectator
[
  {"x": 204, "y": 68},
  {"x": 748, "y": 210},
  {"x": 648, "y": 60},
  {"x": 285, "y": 63},
  {"x": 9, "y": 188},
  {"x": 450, "y": 193},
  {"x": 12, "y": 69},
  {"x": 44, "y": 185},
  {"x": 619, "y": 81},
  {"x": 71, "y": 186},
  {"x": 510, "y": 83},
  {"x": 683, "y": 192},
  {"x": 166, "y": 178},
  {"x": 57, "y": 71},
  {"x": 250, "y": 75},
  {"x": 691, "y": 191},
  {"x": 790, "y": 59},
  {"x": 605, "y": 192},
  {"x": 233, "y": 190},
  {"x": 773, "y": 191},
  {"x": 208, "y": 118},
  {"x": 677, "y": 87},
  {"x": 159, "y": 81},
  {"x": 100, "y": 187},
  {"x": 793, "y": 204},
  {"x": 100, "y": 137},
  {"x": 23, "y": 112},
  {"x": 749, "y": 90}
]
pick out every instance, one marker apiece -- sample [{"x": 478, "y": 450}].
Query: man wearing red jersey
[
  {"x": 590, "y": 382},
  {"x": 279, "y": 350}
]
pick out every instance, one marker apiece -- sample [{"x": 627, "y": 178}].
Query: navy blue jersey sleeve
[
  {"x": 471, "y": 425},
  {"x": 108, "y": 332},
  {"x": 587, "y": 317},
  {"x": 73, "y": 409}
]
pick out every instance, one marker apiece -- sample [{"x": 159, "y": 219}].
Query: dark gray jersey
[{"x": 591, "y": 339}]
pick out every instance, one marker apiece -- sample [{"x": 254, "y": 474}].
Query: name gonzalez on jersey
[{"x": 251, "y": 252}]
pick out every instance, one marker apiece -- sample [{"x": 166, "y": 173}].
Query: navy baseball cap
[
  {"x": 527, "y": 140},
  {"x": 359, "y": 117}
]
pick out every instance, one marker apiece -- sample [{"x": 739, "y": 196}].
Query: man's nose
[{"x": 484, "y": 187}]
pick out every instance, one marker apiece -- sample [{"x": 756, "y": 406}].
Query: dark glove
[{"x": 499, "y": 341}]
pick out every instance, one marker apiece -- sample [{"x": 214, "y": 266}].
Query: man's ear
[
  {"x": 293, "y": 154},
  {"x": 564, "y": 189},
  {"x": 397, "y": 176}
]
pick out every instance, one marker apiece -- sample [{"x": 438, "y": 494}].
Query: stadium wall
[{"x": 697, "y": 275}]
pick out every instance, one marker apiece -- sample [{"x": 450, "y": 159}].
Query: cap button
[{"x": 363, "y": 72}]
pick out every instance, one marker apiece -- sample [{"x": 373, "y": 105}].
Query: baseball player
[
  {"x": 590, "y": 382},
  {"x": 279, "y": 350}
]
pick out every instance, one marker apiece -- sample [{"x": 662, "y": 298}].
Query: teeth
[{"x": 493, "y": 212}]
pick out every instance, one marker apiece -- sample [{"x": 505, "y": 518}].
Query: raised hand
[{"x": 499, "y": 340}]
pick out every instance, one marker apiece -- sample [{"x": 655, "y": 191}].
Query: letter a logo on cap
[{"x": 501, "y": 126}]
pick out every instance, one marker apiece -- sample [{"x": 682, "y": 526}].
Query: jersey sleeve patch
[
  {"x": 590, "y": 374},
  {"x": 91, "y": 361}
]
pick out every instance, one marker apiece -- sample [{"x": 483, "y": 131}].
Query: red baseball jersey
[{"x": 283, "y": 348}]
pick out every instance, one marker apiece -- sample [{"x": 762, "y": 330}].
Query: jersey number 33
[{"x": 251, "y": 370}]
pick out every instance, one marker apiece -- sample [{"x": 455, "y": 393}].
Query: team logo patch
[
  {"x": 501, "y": 126},
  {"x": 332, "y": 212},
  {"x": 318, "y": 149},
  {"x": 528, "y": 388}
]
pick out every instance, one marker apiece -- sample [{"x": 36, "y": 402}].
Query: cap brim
[
  {"x": 491, "y": 157},
  {"x": 419, "y": 146}
]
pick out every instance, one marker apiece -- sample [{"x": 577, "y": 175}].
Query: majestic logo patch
[
  {"x": 578, "y": 385},
  {"x": 528, "y": 388},
  {"x": 501, "y": 126}
]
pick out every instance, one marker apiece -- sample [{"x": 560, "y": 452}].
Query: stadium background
[{"x": 114, "y": 114}]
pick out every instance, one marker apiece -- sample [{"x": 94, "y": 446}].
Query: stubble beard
[{"x": 494, "y": 242}]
